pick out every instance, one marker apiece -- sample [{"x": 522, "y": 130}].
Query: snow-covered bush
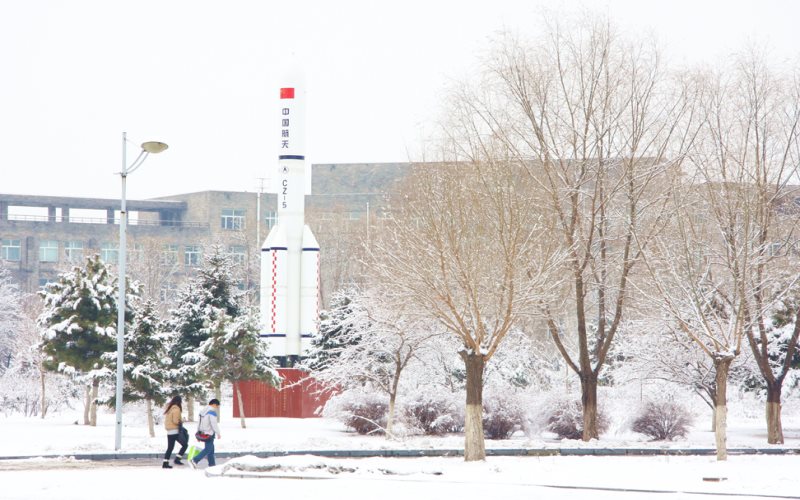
[
  {"x": 21, "y": 392},
  {"x": 435, "y": 412},
  {"x": 662, "y": 420},
  {"x": 364, "y": 412},
  {"x": 503, "y": 414},
  {"x": 563, "y": 416}
]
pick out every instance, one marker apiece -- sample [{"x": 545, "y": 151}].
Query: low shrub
[
  {"x": 435, "y": 413},
  {"x": 662, "y": 420},
  {"x": 502, "y": 415},
  {"x": 364, "y": 412},
  {"x": 564, "y": 417}
]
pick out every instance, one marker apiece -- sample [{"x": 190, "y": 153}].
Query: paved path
[{"x": 147, "y": 458}]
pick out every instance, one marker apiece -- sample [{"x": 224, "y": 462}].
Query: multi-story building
[{"x": 41, "y": 236}]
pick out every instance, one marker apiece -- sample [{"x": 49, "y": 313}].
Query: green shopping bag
[{"x": 193, "y": 451}]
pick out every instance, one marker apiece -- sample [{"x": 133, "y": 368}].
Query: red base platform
[{"x": 293, "y": 399}]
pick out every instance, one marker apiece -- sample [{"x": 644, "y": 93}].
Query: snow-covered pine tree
[
  {"x": 201, "y": 301},
  {"x": 336, "y": 324},
  {"x": 146, "y": 364},
  {"x": 234, "y": 352},
  {"x": 216, "y": 278},
  {"x": 79, "y": 325}
]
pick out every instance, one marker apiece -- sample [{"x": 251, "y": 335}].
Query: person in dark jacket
[
  {"x": 208, "y": 425},
  {"x": 173, "y": 423}
]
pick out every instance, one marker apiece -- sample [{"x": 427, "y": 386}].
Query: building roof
[{"x": 24, "y": 200}]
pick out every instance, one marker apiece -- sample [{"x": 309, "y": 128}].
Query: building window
[
  {"x": 232, "y": 218},
  {"x": 137, "y": 253},
  {"x": 168, "y": 292},
  {"x": 48, "y": 251},
  {"x": 271, "y": 219},
  {"x": 10, "y": 250},
  {"x": 73, "y": 250},
  {"x": 109, "y": 253},
  {"x": 169, "y": 254},
  {"x": 191, "y": 255},
  {"x": 237, "y": 253}
]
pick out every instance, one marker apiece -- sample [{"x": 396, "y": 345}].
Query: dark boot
[
  {"x": 166, "y": 465},
  {"x": 178, "y": 460}
]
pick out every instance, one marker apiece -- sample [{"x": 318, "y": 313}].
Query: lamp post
[{"x": 147, "y": 148}]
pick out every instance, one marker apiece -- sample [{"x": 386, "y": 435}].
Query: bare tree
[
  {"x": 771, "y": 153},
  {"x": 467, "y": 246},
  {"x": 155, "y": 268},
  {"x": 379, "y": 339},
  {"x": 733, "y": 204},
  {"x": 653, "y": 352},
  {"x": 10, "y": 317},
  {"x": 595, "y": 122},
  {"x": 344, "y": 241}
]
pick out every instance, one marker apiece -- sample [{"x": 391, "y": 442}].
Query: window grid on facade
[
  {"x": 136, "y": 253},
  {"x": 10, "y": 250},
  {"x": 168, "y": 292},
  {"x": 232, "y": 218},
  {"x": 73, "y": 250},
  {"x": 48, "y": 251},
  {"x": 237, "y": 253},
  {"x": 271, "y": 219},
  {"x": 169, "y": 254},
  {"x": 191, "y": 255},
  {"x": 109, "y": 253}
]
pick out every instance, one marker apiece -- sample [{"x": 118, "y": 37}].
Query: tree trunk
[
  {"x": 393, "y": 399},
  {"x": 711, "y": 392},
  {"x": 241, "y": 404},
  {"x": 474, "y": 446},
  {"x": 589, "y": 403},
  {"x": 150, "y": 426},
  {"x": 390, "y": 416},
  {"x": 87, "y": 402},
  {"x": 44, "y": 399},
  {"x": 95, "y": 391},
  {"x": 218, "y": 395},
  {"x": 190, "y": 408},
  {"x": 722, "y": 365},
  {"x": 774, "y": 426}
]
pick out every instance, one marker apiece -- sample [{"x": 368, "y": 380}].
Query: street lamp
[{"x": 147, "y": 148}]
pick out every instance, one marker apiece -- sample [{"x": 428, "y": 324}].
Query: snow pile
[{"x": 313, "y": 467}]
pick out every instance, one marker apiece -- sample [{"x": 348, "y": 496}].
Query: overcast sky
[{"x": 203, "y": 76}]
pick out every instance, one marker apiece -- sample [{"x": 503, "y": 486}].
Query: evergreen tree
[
  {"x": 234, "y": 352},
  {"x": 336, "y": 329},
  {"x": 146, "y": 365},
  {"x": 80, "y": 325},
  {"x": 201, "y": 302}
]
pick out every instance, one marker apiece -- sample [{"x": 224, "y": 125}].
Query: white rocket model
[{"x": 290, "y": 254}]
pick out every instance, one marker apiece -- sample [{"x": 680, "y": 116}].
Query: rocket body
[{"x": 290, "y": 254}]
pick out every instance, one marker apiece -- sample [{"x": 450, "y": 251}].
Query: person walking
[
  {"x": 173, "y": 423},
  {"x": 208, "y": 425}
]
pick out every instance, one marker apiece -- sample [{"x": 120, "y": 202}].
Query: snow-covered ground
[
  {"x": 553, "y": 477},
  {"x": 60, "y": 435},
  {"x": 420, "y": 478}
]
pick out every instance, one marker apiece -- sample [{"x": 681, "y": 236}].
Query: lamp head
[{"x": 154, "y": 147}]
